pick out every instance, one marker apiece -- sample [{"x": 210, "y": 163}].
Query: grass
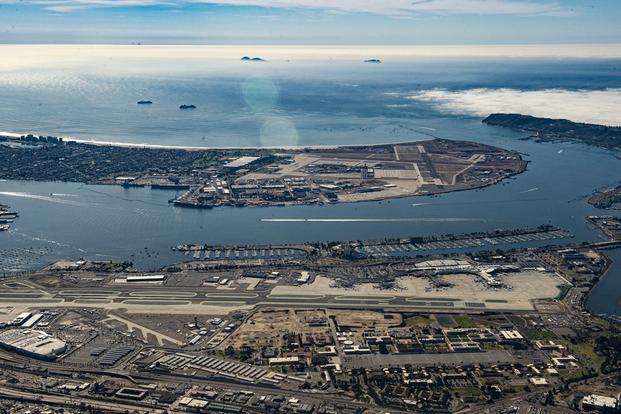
[
  {"x": 491, "y": 346},
  {"x": 540, "y": 335},
  {"x": 562, "y": 291},
  {"x": 445, "y": 320},
  {"x": 468, "y": 391},
  {"x": 464, "y": 321},
  {"x": 418, "y": 322},
  {"x": 588, "y": 355}
]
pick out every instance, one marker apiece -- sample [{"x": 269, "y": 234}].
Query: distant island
[
  {"x": 547, "y": 129},
  {"x": 144, "y": 102},
  {"x": 610, "y": 198},
  {"x": 252, "y": 59},
  {"x": 372, "y": 61},
  {"x": 187, "y": 106}
]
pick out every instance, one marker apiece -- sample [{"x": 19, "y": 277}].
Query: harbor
[{"x": 6, "y": 217}]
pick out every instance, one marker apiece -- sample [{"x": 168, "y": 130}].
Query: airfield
[{"x": 466, "y": 293}]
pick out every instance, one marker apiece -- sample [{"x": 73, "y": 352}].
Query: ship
[
  {"x": 144, "y": 102},
  {"x": 184, "y": 106}
]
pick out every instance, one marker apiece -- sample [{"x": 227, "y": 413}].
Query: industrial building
[{"x": 37, "y": 344}]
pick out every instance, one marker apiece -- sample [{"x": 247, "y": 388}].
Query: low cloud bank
[{"x": 590, "y": 106}]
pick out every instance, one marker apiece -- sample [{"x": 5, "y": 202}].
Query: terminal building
[{"x": 37, "y": 344}]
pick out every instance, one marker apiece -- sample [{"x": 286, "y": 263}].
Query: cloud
[
  {"x": 591, "y": 106},
  {"x": 384, "y": 7}
]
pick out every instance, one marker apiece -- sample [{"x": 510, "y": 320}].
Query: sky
[{"x": 315, "y": 22}]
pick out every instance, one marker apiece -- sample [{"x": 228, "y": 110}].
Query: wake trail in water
[
  {"x": 42, "y": 198},
  {"x": 44, "y": 240},
  {"x": 131, "y": 200},
  {"x": 374, "y": 220}
]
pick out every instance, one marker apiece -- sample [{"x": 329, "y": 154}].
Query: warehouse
[{"x": 32, "y": 343}]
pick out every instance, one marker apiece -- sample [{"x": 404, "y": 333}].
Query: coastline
[{"x": 16, "y": 137}]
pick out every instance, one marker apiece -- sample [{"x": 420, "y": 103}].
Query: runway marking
[
  {"x": 232, "y": 295},
  {"x": 155, "y": 302},
  {"x": 365, "y": 298},
  {"x": 300, "y": 297},
  {"x": 93, "y": 301},
  {"x": 32, "y": 301},
  {"x": 22, "y": 294},
  {"x": 222, "y": 303},
  {"x": 89, "y": 293},
  {"x": 166, "y": 294}
]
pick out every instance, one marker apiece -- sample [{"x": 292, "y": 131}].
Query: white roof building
[
  {"x": 599, "y": 402},
  {"x": 34, "y": 343}
]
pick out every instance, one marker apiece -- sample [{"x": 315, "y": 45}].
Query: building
[
  {"x": 284, "y": 360},
  {"x": 21, "y": 318},
  {"x": 37, "y": 344},
  {"x": 511, "y": 335},
  {"x": 240, "y": 162},
  {"x": 548, "y": 346},
  {"x": 599, "y": 402},
  {"x": 145, "y": 278}
]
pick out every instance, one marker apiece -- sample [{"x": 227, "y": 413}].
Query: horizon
[{"x": 308, "y": 22}]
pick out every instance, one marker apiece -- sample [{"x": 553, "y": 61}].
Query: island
[
  {"x": 610, "y": 198},
  {"x": 267, "y": 176},
  {"x": 252, "y": 59},
  {"x": 184, "y": 106},
  {"x": 554, "y": 130}
]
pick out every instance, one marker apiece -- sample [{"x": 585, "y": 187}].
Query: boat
[
  {"x": 144, "y": 102},
  {"x": 187, "y": 107},
  {"x": 4, "y": 227}
]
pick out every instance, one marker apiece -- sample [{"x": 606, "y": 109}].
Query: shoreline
[{"x": 16, "y": 137}]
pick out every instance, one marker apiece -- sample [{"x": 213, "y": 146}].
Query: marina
[
  {"x": 264, "y": 252},
  {"x": 6, "y": 217},
  {"x": 456, "y": 242}
]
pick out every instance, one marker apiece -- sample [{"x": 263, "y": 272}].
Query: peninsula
[
  {"x": 551, "y": 130},
  {"x": 610, "y": 198},
  {"x": 262, "y": 176}
]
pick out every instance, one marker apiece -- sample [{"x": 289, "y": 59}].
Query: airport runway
[{"x": 128, "y": 296}]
